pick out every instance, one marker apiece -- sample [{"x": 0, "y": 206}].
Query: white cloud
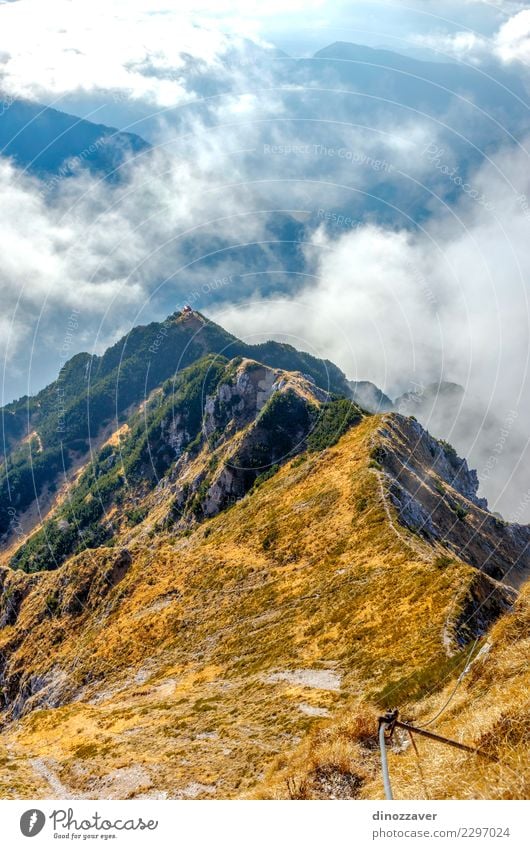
[
  {"x": 405, "y": 303},
  {"x": 450, "y": 303},
  {"x": 386, "y": 305},
  {"x": 465, "y": 46},
  {"x": 52, "y": 49},
  {"x": 512, "y": 42},
  {"x": 145, "y": 50},
  {"x": 84, "y": 243}
]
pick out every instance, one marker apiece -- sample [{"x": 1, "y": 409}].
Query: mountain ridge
[
  {"x": 248, "y": 567},
  {"x": 244, "y": 632},
  {"x": 52, "y": 144},
  {"x": 47, "y": 434}
]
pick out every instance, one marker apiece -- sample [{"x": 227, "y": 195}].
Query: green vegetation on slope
[
  {"x": 92, "y": 391},
  {"x": 110, "y": 491},
  {"x": 120, "y": 473},
  {"x": 335, "y": 418}
]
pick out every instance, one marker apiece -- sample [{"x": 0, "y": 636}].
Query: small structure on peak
[{"x": 187, "y": 310}]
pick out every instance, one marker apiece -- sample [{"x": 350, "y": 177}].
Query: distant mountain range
[
  {"x": 48, "y": 142},
  {"x": 488, "y": 102},
  {"x": 434, "y": 85}
]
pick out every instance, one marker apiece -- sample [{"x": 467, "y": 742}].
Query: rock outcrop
[{"x": 435, "y": 495}]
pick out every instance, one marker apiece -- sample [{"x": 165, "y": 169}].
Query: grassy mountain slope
[
  {"x": 489, "y": 710},
  {"x": 186, "y": 664}
]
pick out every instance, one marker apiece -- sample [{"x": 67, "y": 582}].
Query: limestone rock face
[
  {"x": 249, "y": 432},
  {"x": 435, "y": 495}
]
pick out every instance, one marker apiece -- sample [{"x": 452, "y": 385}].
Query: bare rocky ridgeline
[{"x": 435, "y": 495}]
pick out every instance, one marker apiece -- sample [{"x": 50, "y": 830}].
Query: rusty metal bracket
[{"x": 391, "y": 722}]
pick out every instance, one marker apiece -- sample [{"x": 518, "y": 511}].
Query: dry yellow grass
[
  {"x": 490, "y": 711},
  {"x": 18, "y": 778},
  {"x": 186, "y": 672}
]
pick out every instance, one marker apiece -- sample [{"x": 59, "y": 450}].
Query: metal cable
[{"x": 453, "y": 693}]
